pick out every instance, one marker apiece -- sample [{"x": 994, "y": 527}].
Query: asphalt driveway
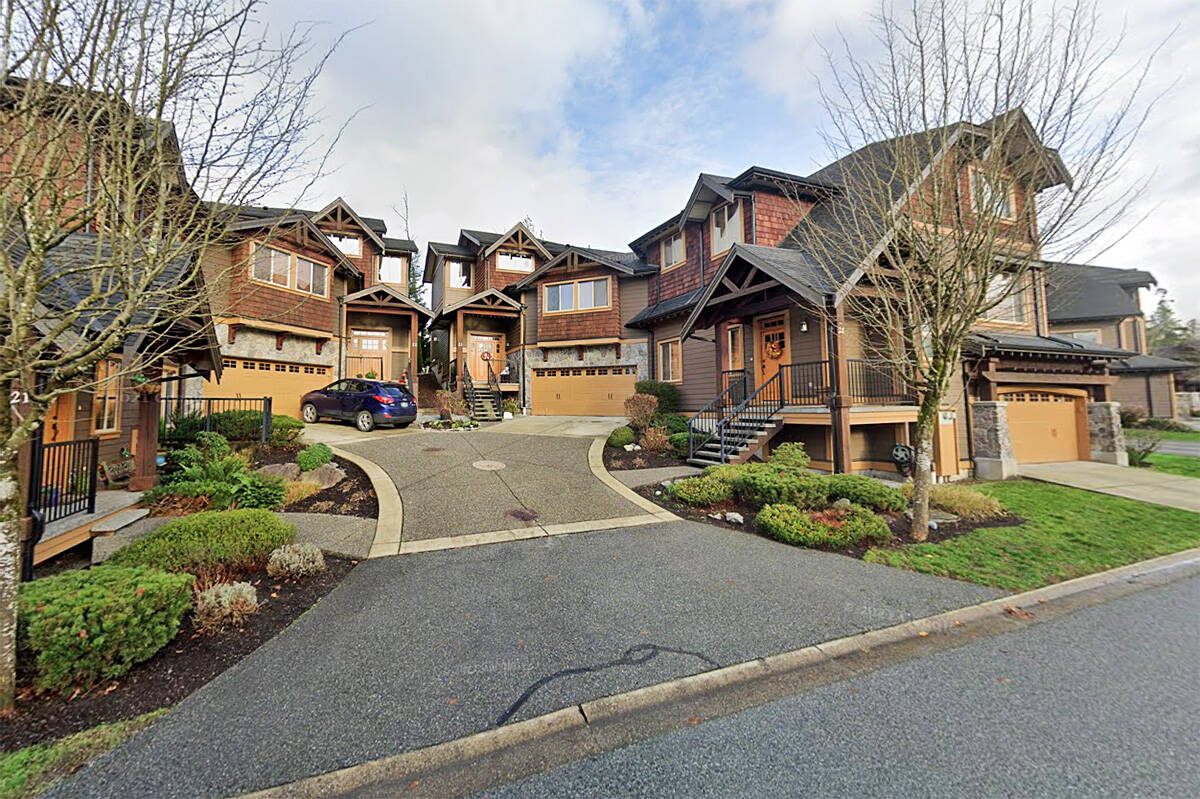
[
  {"x": 414, "y": 650},
  {"x": 455, "y": 484}
]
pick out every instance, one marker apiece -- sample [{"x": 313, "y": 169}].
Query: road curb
[
  {"x": 574, "y": 720},
  {"x": 596, "y": 464},
  {"x": 390, "y": 522}
]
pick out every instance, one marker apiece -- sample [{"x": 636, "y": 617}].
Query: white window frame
[
  {"x": 346, "y": 243},
  {"x": 505, "y": 262},
  {"x": 574, "y": 296},
  {"x": 393, "y": 260},
  {"x": 667, "y": 247},
  {"x": 987, "y": 196},
  {"x": 728, "y": 214},
  {"x": 451, "y": 266},
  {"x": 318, "y": 273},
  {"x": 665, "y": 365},
  {"x": 275, "y": 256},
  {"x": 1013, "y": 304}
]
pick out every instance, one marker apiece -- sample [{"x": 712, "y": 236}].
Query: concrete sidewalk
[
  {"x": 416, "y": 650},
  {"x": 1144, "y": 485}
]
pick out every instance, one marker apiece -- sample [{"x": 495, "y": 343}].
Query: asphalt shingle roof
[
  {"x": 1060, "y": 345},
  {"x": 1082, "y": 291},
  {"x": 668, "y": 307}
]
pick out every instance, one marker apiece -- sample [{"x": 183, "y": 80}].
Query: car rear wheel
[
  {"x": 364, "y": 421},
  {"x": 309, "y": 413}
]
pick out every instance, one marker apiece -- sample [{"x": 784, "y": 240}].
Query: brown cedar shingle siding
[
  {"x": 264, "y": 301},
  {"x": 774, "y": 217},
  {"x": 584, "y": 325}
]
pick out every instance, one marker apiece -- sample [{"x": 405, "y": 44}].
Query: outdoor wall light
[{"x": 803, "y": 325}]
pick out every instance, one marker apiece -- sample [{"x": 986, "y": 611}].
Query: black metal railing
[
  {"x": 703, "y": 425},
  {"x": 236, "y": 418},
  {"x": 62, "y": 483},
  {"x": 877, "y": 383},
  {"x": 744, "y": 422},
  {"x": 806, "y": 383}
]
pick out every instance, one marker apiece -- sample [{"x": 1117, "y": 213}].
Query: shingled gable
[
  {"x": 1077, "y": 292},
  {"x": 384, "y": 294},
  {"x": 340, "y": 204},
  {"x": 516, "y": 231},
  {"x": 626, "y": 263}
]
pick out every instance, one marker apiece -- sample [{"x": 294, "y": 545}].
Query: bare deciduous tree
[
  {"x": 977, "y": 136},
  {"x": 132, "y": 129}
]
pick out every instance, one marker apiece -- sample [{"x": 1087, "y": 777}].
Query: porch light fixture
[{"x": 803, "y": 325}]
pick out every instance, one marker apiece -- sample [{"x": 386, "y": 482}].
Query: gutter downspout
[
  {"x": 966, "y": 375},
  {"x": 341, "y": 334}
]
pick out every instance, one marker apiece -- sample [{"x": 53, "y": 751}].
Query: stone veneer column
[
  {"x": 994, "y": 459},
  {"x": 1108, "y": 437}
]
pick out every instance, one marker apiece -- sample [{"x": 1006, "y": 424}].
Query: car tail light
[{"x": 382, "y": 399}]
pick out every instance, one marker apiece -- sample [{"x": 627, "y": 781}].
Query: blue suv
[{"x": 367, "y": 403}]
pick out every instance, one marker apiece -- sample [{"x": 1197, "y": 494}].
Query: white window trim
[
  {"x": 662, "y": 251},
  {"x": 521, "y": 255},
  {"x": 574, "y": 284},
  {"x": 292, "y": 271},
  {"x": 736, "y": 206}
]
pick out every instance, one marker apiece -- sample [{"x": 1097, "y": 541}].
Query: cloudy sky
[{"x": 593, "y": 117}]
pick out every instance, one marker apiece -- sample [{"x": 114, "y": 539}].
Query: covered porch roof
[
  {"x": 491, "y": 302},
  {"x": 384, "y": 297}
]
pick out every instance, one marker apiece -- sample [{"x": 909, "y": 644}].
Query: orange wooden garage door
[
  {"x": 283, "y": 382},
  {"x": 582, "y": 390},
  {"x": 1044, "y": 426}
]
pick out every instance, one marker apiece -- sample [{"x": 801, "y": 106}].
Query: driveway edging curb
[
  {"x": 596, "y": 464},
  {"x": 575, "y": 718},
  {"x": 387, "y": 531}
]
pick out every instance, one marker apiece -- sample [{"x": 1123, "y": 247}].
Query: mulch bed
[
  {"x": 184, "y": 665},
  {"x": 616, "y": 460},
  {"x": 899, "y": 525},
  {"x": 353, "y": 496}
]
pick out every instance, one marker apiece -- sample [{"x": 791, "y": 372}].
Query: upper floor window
[
  {"x": 726, "y": 227},
  {"x": 1009, "y": 296},
  {"x": 393, "y": 269},
  {"x": 460, "y": 274},
  {"x": 993, "y": 195},
  {"x": 582, "y": 295},
  {"x": 283, "y": 269},
  {"x": 1090, "y": 336},
  {"x": 106, "y": 397},
  {"x": 349, "y": 245},
  {"x": 514, "y": 262},
  {"x": 673, "y": 253}
]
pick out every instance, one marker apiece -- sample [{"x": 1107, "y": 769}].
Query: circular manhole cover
[{"x": 488, "y": 466}]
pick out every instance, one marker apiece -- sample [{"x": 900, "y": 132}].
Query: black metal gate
[{"x": 62, "y": 482}]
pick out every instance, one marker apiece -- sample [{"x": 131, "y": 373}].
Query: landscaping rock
[
  {"x": 326, "y": 476},
  {"x": 666, "y": 483},
  {"x": 629, "y": 447},
  {"x": 716, "y": 516},
  {"x": 842, "y": 504},
  {"x": 287, "y": 471},
  {"x": 933, "y": 526},
  {"x": 734, "y": 518}
]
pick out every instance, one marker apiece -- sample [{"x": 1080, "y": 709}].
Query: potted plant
[{"x": 144, "y": 385}]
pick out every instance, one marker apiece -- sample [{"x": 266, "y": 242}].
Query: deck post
[
  {"x": 839, "y": 403},
  {"x": 145, "y": 468},
  {"x": 414, "y": 359}
]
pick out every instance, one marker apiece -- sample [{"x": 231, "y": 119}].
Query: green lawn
[
  {"x": 1167, "y": 435},
  {"x": 1185, "y": 465},
  {"x": 1068, "y": 533},
  {"x": 30, "y": 771}
]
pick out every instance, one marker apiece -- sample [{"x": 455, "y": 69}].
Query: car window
[
  {"x": 394, "y": 390},
  {"x": 338, "y": 386},
  {"x": 356, "y": 386}
]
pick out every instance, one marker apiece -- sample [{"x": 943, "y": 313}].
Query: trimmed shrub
[
  {"x": 85, "y": 626},
  {"x": 296, "y": 561},
  {"x": 225, "y": 605},
  {"x": 726, "y": 472},
  {"x": 1141, "y": 444},
  {"x": 621, "y": 436},
  {"x": 510, "y": 405},
  {"x": 285, "y": 431},
  {"x": 214, "y": 545},
  {"x": 178, "y": 428},
  {"x": 297, "y": 490},
  {"x": 700, "y": 491},
  {"x": 256, "y": 490},
  {"x": 314, "y": 455},
  {"x": 828, "y": 528},
  {"x": 212, "y": 446},
  {"x": 244, "y": 425},
  {"x": 680, "y": 442},
  {"x": 655, "y": 439},
  {"x": 672, "y": 422},
  {"x": 863, "y": 490},
  {"x": 640, "y": 408},
  {"x": 766, "y": 484},
  {"x": 666, "y": 393},
  {"x": 790, "y": 454}
]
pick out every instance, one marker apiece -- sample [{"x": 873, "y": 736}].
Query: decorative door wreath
[{"x": 773, "y": 348}]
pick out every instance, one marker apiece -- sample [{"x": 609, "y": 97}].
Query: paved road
[
  {"x": 1100, "y": 703},
  {"x": 1180, "y": 448},
  {"x": 419, "y": 649}
]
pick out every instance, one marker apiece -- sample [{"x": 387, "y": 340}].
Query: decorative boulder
[
  {"x": 842, "y": 504},
  {"x": 326, "y": 475},
  {"x": 629, "y": 447},
  {"x": 285, "y": 471},
  {"x": 734, "y": 518}
]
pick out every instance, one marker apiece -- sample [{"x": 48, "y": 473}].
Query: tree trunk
[
  {"x": 10, "y": 547},
  {"x": 923, "y": 466}
]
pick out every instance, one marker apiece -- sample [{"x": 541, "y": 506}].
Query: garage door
[
  {"x": 1043, "y": 426},
  {"x": 283, "y": 382},
  {"x": 582, "y": 390}
]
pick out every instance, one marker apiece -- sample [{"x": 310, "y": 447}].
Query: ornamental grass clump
[
  {"x": 215, "y": 546},
  {"x": 314, "y": 456},
  {"x": 89, "y": 625},
  {"x": 223, "y": 606},
  {"x": 833, "y": 528},
  {"x": 700, "y": 491},
  {"x": 962, "y": 501},
  {"x": 295, "y": 561}
]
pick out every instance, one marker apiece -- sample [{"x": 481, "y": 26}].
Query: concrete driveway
[
  {"x": 458, "y": 484},
  {"x": 1144, "y": 485},
  {"x": 574, "y": 426},
  {"x": 415, "y": 650}
]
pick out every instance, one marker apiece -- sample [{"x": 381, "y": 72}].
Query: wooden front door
[
  {"x": 774, "y": 348},
  {"x": 60, "y": 420},
  {"x": 485, "y": 347},
  {"x": 369, "y": 354}
]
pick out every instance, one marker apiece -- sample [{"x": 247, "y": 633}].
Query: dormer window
[
  {"x": 349, "y": 245},
  {"x": 514, "y": 262},
  {"x": 726, "y": 227},
  {"x": 393, "y": 269},
  {"x": 460, "y": 274},
  {"x": 673, "y": 253},
  {"x": 993, "y": 195}
]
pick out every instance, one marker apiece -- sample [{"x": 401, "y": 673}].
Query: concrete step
[{"x": 119, "y": 521}]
